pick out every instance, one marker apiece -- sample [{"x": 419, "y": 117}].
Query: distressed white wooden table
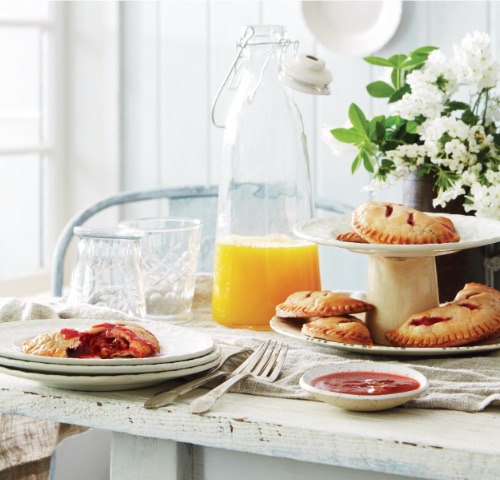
[{"x": 171, "y": 443}]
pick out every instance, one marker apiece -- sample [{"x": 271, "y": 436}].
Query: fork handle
[
  {"x": 206, "y": 402},
  {"x": 164, "y": 398}
]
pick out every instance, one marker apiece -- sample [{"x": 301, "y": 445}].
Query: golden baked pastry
[
  {"x": 474, "y": 315},
  {"x": 320, "y": 304},
  {"x": 51, "y": 344},
  {"x": 352, "y": 237},
  {"x": 476, "y": 289},
  {"x": 105, "y": 340},
  {"x": 344, "y": 329},
  {"x": 391, "y": 223}
]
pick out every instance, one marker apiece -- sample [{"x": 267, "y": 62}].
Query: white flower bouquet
[{"x": 431, "y": 129}]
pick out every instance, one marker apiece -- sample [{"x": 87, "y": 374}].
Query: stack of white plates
[{"x": 182, "y": 352}]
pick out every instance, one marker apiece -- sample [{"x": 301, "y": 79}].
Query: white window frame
[
  {"x": 82, "y": 139},
  {"x": 37, "y": 280}
]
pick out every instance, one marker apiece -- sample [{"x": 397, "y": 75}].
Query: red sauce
[
  {"x": 69, "y": 333},
  {"x": 104, "y": 325},
  {"x": 365, "y": 383}
]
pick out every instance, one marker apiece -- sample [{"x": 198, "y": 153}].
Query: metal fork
[
  {"x": 266, "y": 364},
  {"x": 160, "y": 399}
]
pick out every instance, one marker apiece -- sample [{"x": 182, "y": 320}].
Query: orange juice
[{"x": 254, "y": 274}]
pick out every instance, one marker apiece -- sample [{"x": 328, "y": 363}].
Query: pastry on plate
[
  {"x": 394, "y": 224},
  {"x": 344, "y": 329},
  {"x": 352, "y": 237},
  {"x": 477, "y": 291},
  {"x": 105, "y": 340},
  {"x": 473, "y": 316},
  {"x": 324, "y": 303}
]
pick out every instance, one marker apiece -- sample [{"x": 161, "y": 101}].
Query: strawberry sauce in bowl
[{"x": 364, "y": 386}]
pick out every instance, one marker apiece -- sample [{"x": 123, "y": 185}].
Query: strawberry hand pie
[
  {"x": 473, "y": 316},
  {"x": 106, "y": 340},
  {"x": 394, "y": 224}
]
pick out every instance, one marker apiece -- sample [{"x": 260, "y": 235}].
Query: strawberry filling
[
  {"x": 427, "y": 321},
  {"x": 112, "y": 340},
  {"x": 470, "y": 306}
]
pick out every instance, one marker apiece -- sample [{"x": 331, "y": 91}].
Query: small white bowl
[{"x": 363, "y": 403}]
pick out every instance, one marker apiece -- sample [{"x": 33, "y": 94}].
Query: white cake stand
[{"x": 402, "y": 279}]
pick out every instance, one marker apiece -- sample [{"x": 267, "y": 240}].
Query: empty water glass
[
  {"x": 169, "y": 259},
  {"x": 107, "y": 270}
]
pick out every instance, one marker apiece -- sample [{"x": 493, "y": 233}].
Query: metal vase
[{"x": 456, "y": 269}]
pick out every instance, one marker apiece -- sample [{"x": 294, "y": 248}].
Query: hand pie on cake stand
[{"x": 402, "y": 279}]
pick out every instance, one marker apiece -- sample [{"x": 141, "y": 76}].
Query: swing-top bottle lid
[{"x": 307, "y": 74}]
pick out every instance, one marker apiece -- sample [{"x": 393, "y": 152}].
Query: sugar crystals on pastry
[
  {"x": 342, "y": 329},
  {"x": 394, "y": 224},
  {"x": 325, "y": 303},
  {"x": 105, "y": 340}
]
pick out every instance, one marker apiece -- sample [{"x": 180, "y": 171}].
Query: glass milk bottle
[{"x": 264, "y": 190}]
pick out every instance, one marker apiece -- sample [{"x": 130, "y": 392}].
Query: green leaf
[
  {"x": 380, "y": 89},
  {"x": 358, "y": 119},
  {"x": 411, "y": 127},
  {"x": 398, "y": 95},
  {"x": 370, "y": 148},
  {"x": 367, "y": 162},
  {"x": 445, "y": 179},
  {"x": 356, "y": 163},
  {"x": 398, "y": 60},
  {"x": 423, "y": 51},
  {"x": 395, "y": 78},
  {"x": 469, "y": 118},
  {"x": 387, "y": 164},
  {"x": 376, "y": 131},
  {"x": 347, "y": 135},
  {"x": 457, "y": 106},
  {"x": 393, "y": 121},
  {"x": 380, "y": 130},
  {"x": 414, "y": 62},
  {"x": 421, "y": 172},
  {"x": 379, "y": 61}
]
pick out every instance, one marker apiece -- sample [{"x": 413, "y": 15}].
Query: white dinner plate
[
  {"x": 473, "y": 231},
  {"x": 84, "y": 369},
  {"x": 353, "y": 28},
  {"x": 105, "y": 383},
  {"x": 289, "y": 329},
  {"x": 176, "y": 343}
]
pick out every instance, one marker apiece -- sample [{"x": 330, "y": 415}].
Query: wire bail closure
[
  {"x": 243, "y": 42},
  {"x": 304, "y": 73}
]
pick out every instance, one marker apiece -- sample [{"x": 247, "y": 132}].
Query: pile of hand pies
[{"x": 472, "y": 317}]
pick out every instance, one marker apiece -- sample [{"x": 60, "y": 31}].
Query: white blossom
[
  {"x": 485, "y": 200},
  {"x": 465, "y": 155},
  {"x": 444, "y": 196},
  {"x": 476, "y": 65}
]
